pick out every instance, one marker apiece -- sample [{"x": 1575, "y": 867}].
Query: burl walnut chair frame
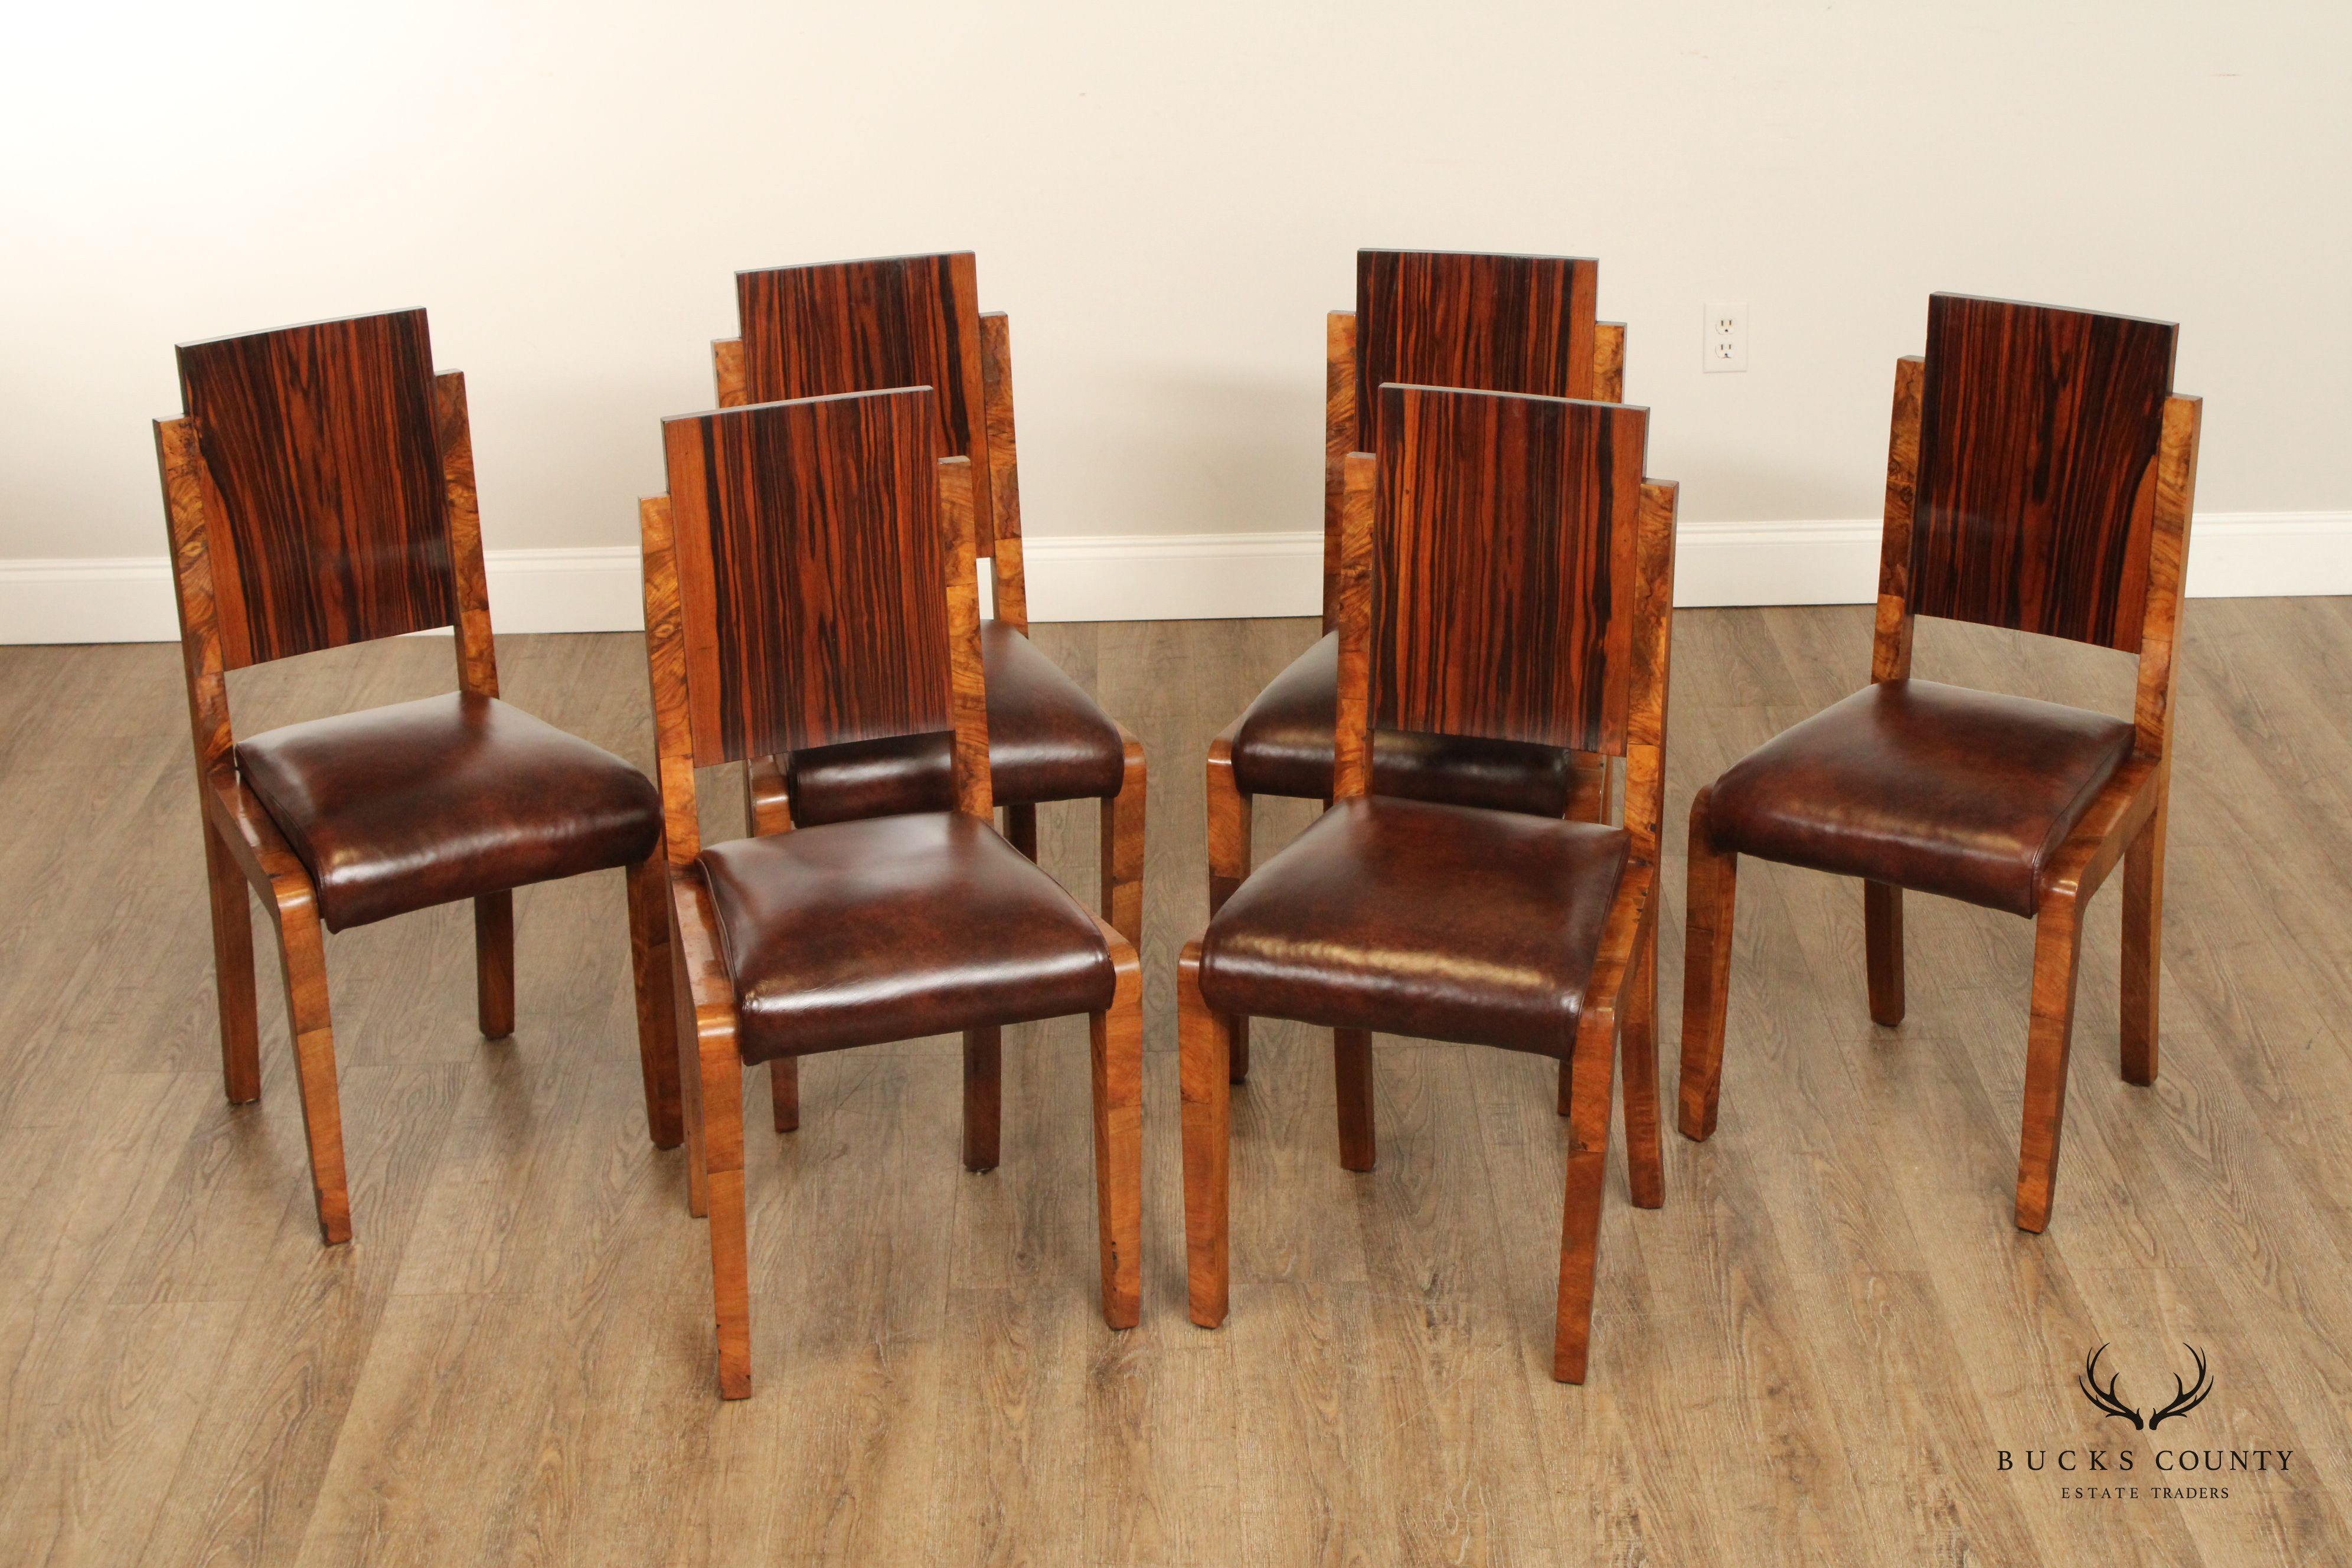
[
  {"x": 400, "y": 552},
  {"x": 1573, "y": 653},
  {"x": 1491, "y": 322},
  {"x": 914, "y": 320},
  {"x": 773, "y": 625},
  {"x": 2040, "y": 478}
]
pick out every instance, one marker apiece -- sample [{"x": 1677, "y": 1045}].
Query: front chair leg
[
  {"x": 301, "y": 947},
  {"x": 494, "y": 964},
  {"x": 233, "y": 981},
  {"x": 1204, "y": 1076},
  {"x": 1122, "y": 848},
  {"x": 2057, "y": 951},
  {"x": 1351, "y": 1068},
  {"x": 1707, "y": 972},
  {"x": 1229, "y": 865},
  {"x": 1592, "y": 1060},
  {"x": 1021, "y": 827},
  {"x": 1645, "y": 1168},
  {"x": 1118, "y": 1050},
  {"x": 1882, "y": 941},
  {"x": 649, "y": 963},
  {"x": 689, "y": 1070},
  {"x": 983, "y": 1096},
  {"x": 784, "y": 1092},
  {"x": 2143, "y": 944},
  {"x": 721, "y": 1075}
]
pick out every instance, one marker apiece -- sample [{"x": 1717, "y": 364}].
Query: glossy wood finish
[
  {"x": 1115, "y": 1058},
  {"x": 1121, "y": 819},
  {"x": 1351, "y": 1057},
  {"x": 1008, "y": 582},
  {"x": 2038, "y": 431},
  {"x": 779, "y": 555},
  {"x": 983, "y": 1096},
  {"x": 324, "y": 509},
  {"x": 1205, "y": 1083}
]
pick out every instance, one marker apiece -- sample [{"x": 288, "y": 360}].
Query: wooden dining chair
[
  {"x": 1506, "y": 575},
  {"x": 319, "y": 491},
  {"x": 915, "y": 320},
  {"x": 2039, "y": 478},
  {"x": 810, "y": 582},
  {"x": 1499, "y": 323}
]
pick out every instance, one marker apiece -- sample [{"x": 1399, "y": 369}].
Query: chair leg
[
  {"x": 648, "y": 893},
  {"x": 983, "y": 1096},
  {"x": 784, "y": 1092},
  {"x": 1567, "y": 1086},
  {"x": 1229, "y": 866},
  {"x": 1352, "y": 1066},
  {"x": 720, "y": 1071},
  {"x": 2057, "y": 951},
  {"x": 1205, "y": 1078},
  {"x": 1882, "y": 941},
  {"x": 302, "y": 950},
  {"x": 2143, "y": 944},
  {"x": 689, "y": 1067},
  {"x": 1117, "y": 1042},
  {"x": 233, "y": 980},
  {"x": 1707, "y": 972},
  {"x": 1637, "y": 1044},
  {"x": 494, "y": 964},
  {"x": 1122, "y": 848},
  {"x": 1021, "y": 827},
  {"x": 1593, "y": 1059}
]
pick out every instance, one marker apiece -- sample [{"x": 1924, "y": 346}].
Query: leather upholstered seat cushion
[
  {"x": 896, "y": 927},
  {"x": 399, "y": 808},
  {"x": 1932, "y": 787},
  {"x": 1444, "y": 921},
  {"x": 1048, "y": 740},
  {"x": 1285, "y": 747}
]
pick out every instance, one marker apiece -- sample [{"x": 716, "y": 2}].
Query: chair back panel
[
  {"x": 1507, "y": 539},
  {"x": 2038, "y": 436},
  {"x": 810, "y": 579},
  {"x": 325, "y": 519},
  {"x": 1495, "y": 323}
]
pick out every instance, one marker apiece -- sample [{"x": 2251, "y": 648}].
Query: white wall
[{"x": 1167, "y": 199}]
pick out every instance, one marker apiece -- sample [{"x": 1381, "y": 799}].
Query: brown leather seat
[
  {"x": 1284, "y": 747},
  {"x": 1935, "y": 788},
  {"x": 893, "y": 928},
  {"x": 1440, "y": 921},
  {"x": 448, "y": 797},
  {"x": 1048, "y": 740}
]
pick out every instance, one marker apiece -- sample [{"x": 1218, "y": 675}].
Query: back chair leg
[
  {"x": 1021, "y": 827},
  {"x": 1229, "y": 865},
  {"x": 1204, "y": 1076},
  {"x": 1707, "y": 972},
  {"x": 1122, "y": 848},
  {"x": 2143, "y": 944},
  {"x": 301, "y": 947},
  {"x": 1882, "y": 941},
  {"x": 649, "y": 961},
  {"x": 720, "y": 1071},
  {"x": 1593, "y": 1058},
  {"x": 1645, "y": 1168},
  {"x": 1352, "y": 1066},
  {"x": 233, "y": 980},
  {"x": 784, "y": 1092},
  {"x": 494, "y": 964},
  {"x": 1117, "y": 1051},
  {"x": 983, "y": 1096},
  {"x": 2057, "y": 951}
]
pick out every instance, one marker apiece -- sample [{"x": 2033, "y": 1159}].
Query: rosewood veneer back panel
[
  {"x": 1508, "y": 539},
  {"x": 1494, "y": 323},
  {"x": 2038, "y": 438},
  {"x": 325, "y": 515},
  {"x": 810, "y": 573}
]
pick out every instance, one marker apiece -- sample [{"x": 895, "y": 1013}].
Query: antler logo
[{"x": 2109, "y": 1397}]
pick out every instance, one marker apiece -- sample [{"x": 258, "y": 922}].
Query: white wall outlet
[{"x": 1723, "y": 340}]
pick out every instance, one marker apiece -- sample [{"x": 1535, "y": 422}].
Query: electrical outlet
[{"x": 1724, "y": 339}]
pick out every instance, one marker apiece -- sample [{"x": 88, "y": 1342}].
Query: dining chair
[
  {"x": 1506, "y": 575},
  {"x": 319, "y": 493},
  {"x": 810, "y": 582},
  {"x": 2040, "y": 475},
  {"x": 915, "y": 320},
  {"x": 1499, "y": 323}
]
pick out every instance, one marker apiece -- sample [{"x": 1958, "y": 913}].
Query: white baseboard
[{"x": 1189, "y": 576}]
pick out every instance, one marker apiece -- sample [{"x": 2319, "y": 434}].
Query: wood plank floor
[{"x": 1815, "y": 1353}]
